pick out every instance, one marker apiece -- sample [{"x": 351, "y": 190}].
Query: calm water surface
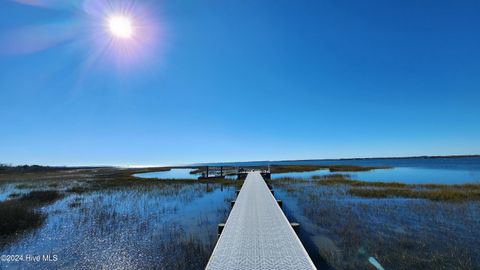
[
  {"x": 171, "y": 174},
  {"x": 409, "y": 175},
  {"x": 410, "y": 171},
  {"x": 406, "y": 170},
  {"x": 464, "y": 163}
]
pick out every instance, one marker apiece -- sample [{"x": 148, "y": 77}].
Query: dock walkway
[{"x": 257, "y": 235}]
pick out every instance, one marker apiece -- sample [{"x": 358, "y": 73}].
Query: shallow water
[
  {"x": 6, "y": 190},
  {"x": 166, "y": 226}
]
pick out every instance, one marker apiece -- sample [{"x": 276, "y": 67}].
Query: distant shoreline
[
  {"x": 37, "y": 167},
  {"x": 342, "y": 159},
  {"x": 409, "y": 157}
]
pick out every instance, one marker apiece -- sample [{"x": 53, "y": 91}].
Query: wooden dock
[{"x": 257, "y": 235}]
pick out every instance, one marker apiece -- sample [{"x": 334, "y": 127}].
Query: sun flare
[{"x": 120, "y": 26}]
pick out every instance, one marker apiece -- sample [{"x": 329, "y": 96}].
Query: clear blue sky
[{"x": 225, "y": 80}]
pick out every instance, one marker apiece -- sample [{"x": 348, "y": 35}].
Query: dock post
[
  {"x": 295, "y": 226},
  {"x": 220, "y": 229}
]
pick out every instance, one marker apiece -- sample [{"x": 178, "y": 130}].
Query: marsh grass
[
  {"x": 25, "y": 186},
  {"x": 442, "y": 194},
  {"x": 22, "y": 213},
  {"x": 56, "y": 175},
  {"x": 435, "y": 192},
  {"x": 340, "y": 179},
  {"x": 77, "y": 189},
  {"x": 14, "y": 195},
  {"x": 114, "y": 209},
  {"x": 40, "y": 197},
  {"x": 158, "y": 219},
  {"x": 17, "y": 216},
  {"x": 433, "y": 232},
  {"x": 75, "y": 203}
]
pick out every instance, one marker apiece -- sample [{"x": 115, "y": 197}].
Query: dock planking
[{"x": 257, "y": 234}]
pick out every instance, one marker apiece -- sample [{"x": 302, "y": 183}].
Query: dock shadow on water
[
  {"x": 384, "y": 232},
  {"x": 134, "y": 224}
]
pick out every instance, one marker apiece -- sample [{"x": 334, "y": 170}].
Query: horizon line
[{"x": 245, "y": 161}]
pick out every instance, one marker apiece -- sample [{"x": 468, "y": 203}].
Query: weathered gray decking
[{"x": 257, "y": 234}]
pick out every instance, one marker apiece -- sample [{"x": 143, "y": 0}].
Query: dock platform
[{"x": 257, "y": 234}]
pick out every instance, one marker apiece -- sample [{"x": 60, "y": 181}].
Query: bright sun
[{"x": 120, "y": 26}]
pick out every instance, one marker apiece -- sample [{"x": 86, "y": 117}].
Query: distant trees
[
  {"x": 3, "y": 167},
  {"x": 24, "y": 168}
]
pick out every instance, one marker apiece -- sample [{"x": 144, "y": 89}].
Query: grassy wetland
[
  {"x": 107, "y": 217},
  {"x": 347, "y": 222}
]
